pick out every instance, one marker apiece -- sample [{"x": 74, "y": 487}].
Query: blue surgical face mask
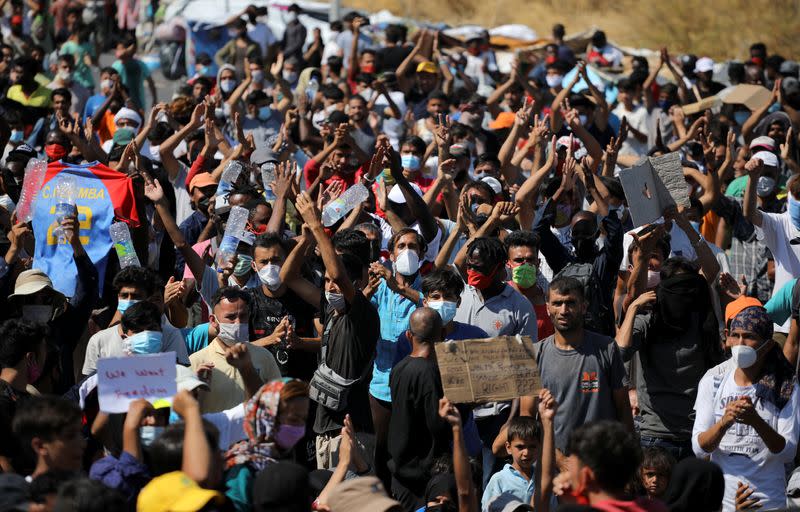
[
  {"x": 174, "y": 417},
  {"x": 17, "y": 136},
  {"x": 148, "y": 434},
  {"x": 264, "y": 113},
  {"x": 445, "y": 308},
  {"x": 123, "y": 305},
  {"x": 410, "y": 162},
  {"x": 794, "y": 210},
  {"x": 664, "y": 105},
  {"x": 145, "y": 342},
  {"x": 203, "y": 71}
]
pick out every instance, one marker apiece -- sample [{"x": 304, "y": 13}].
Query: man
[
  {"x": 349, "y": 338},
  {"x": 636, "y": 142},
  {"x": 523, "y": 263},
  {"x": 26, "y": 90},
  {"x": 230, "y": 317},
  {"x": 417, "y": 435},
  {"x": 61, "y": 102},
  {"x": 22, "y": 359},
  {"x": 705, "y": 86},
  {"x": 582, "y": 369},
  {"x": 360, "y": 130},
  {"x": 65, "y": 79},
  {"x": 747, "y": 413},
  {"x": 294, "y": 38},
  {"x": 132, "y": 72},
  {"x": 778, "y": 230},
  {"x": 133, "y": 284}
]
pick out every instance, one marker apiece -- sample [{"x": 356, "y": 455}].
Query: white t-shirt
[
  {"x": 742, "y": 454},
  {"x": 776, "y": 231},
  {"x": 183, "y": 201},
  {"x": 394, "y": 128},
  {"x": 230, "y": 424},
  {"x": 637, "y": 119}
]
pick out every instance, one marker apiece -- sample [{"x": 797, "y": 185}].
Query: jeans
[{"x": 678, "y": 449}]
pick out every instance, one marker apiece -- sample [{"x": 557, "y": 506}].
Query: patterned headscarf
[
  {"x": 753, "y": 319},
  {"x": 260, "y": 414}
]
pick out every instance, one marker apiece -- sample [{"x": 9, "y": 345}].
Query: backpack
[{"x": 598, "y": 311}]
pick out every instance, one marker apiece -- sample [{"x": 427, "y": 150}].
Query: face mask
[
  {"x": 37, "y": 313},
  {"x": 34, "y": 372},
  {"x": 145, "y": 342},
  {"x": 740, "y": 117},
  {"x": 368, "y": 68},
  {"x": 410, "y": 162},
  {"x": 288, "y": 435},
  {"x": 584, "y": 119},
  {"x": 480, "y": 280},
  {"x": 292, "y": 17},
  {"x": 65, "y": 76},
  {"x": 653, "y": 278},
  {"x": 794, "y": 210},
  {"x": 174, "y": 417},
  {"x": 524, "y": 275},
  {"x": 203, "y": 71},
  {"x": 16, "y": 136},
  {"x": 270, "y": 276},
  {"x": 744, "y": 356},
  {"x": 227, "y": 85},
  {"x": 336, "y": 300},
  {"x": 264, "y": 113},
  {"x": 258, "y": 76},
  {"x": 553, "y": 81},
  {"x": 231, "y": 334},
  {"x": 55, "y": 151},
  {"x": 445, "y": 308},
  {"x": 407, "y": 263},
  {"x": 148, "y": 434},
  {"x": 243, "y": 264},
  {"x": 290, "y": 76},
  {"x": 123, "y": 305},
  {"x": 664, "y": 105},
  {"x": 563, "y": 214},
  {"x": 106, "y": 84}
]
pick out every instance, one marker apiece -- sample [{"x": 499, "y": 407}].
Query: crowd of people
[{"x": 400, "y": 192}]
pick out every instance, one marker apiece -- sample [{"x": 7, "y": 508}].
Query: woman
[{"x": 275, "y": 420}]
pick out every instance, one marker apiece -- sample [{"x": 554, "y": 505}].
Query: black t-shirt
[
  {"x": 351, "y": 339},
  {"x": 391, "y": 57},
  {"x": 266, "y": 313},
  {"x": 11, "y": 447},
  {"x": 796, "y": 300},
  {"x": 417, "y": 435}
]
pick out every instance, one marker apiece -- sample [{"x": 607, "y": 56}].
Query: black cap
[{"x": 21, "y": 153}]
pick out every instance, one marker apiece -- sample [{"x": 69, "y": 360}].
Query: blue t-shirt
[
  {"x": 196, "y": 338},
  {"x": 93, "y": 104},
  {"x": 779, "y": 306}
]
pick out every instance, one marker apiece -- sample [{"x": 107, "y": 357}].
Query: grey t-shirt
[
  {"x": 582, "y": 381},
  {"x": 669, "y": 370}
]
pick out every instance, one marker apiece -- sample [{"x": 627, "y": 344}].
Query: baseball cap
[
  {"x": 364, "y": 494},
  {"x": 13, "y": 493},
  {"x": 789, "y": 68},
  {"x": 396, "y": 194},
  {"x": 763, "y": 142},
  {"x": 186, "y": 379},
  {"x": 768, "y": 158},
  {"x": 790, "y": 86},
  {"x": 202, "y": 180},
  {"x": 503, "y": 120},
  {"x": 33, "y": 281},
  {"x": 765, "y": 186},
  {"x": 175, "y": 492},
  {"x": 563, "y": 142},
  {"x": 703, "y": 64},
  {"x": 21, "y": 153},
  {"x": 735, "y": 307},
  {"x": 427, "y": 67},
  {"x": 493, "y": 183},
  {"x": 459, "y": 150}
]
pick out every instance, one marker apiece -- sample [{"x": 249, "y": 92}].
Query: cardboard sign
[
  {"x": 646, "y": 195},
  {"x": 701, "y": 106},
  {"x": 670, "y": 171},
  {"x": 751, "y": 96},
  {"x": 488, "y": 370},
  {"x": 121, "y": 380}
]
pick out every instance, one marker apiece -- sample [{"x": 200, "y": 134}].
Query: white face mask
[
  {"x": 653, "y": 278},
  {"x": 258, "y": 76},
  {"x": 407, "y": 263},
  {"x": 336, "y": 300},
  {"x": 106, "y": 84},
  {"x": 744, "y": 356},
  {"x": 37, "y": 313},
  {"x": 231, "y": 334},
  {"x": 553, "y": 80},
  {"x": 270, "y": 276}
]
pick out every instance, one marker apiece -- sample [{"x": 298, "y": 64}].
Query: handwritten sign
[
  {"x": 121, "y": 380},
  {"x": 488, "y": 370},
  {"x": 669, "y": 169}
]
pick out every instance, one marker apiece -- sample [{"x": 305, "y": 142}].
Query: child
[{"x": 654, "y": 472}]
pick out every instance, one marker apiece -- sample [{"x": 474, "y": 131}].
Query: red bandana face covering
[
  {"x": 55, "y": 151},
  {"x": 480, "y": 280}
]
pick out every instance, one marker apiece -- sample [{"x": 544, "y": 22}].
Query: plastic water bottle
[
  {"x": 311, "y": 90},
  {"x": 229, "y": 176},
  {"x": 65, "y": 189},
  {"x": 123, "y": 244},
  {"x": 31, "y": 185},
  {"x": 267, "y": 177},
  {"x": 235, "y": 232},
  {"x": 342, "y": 205}
]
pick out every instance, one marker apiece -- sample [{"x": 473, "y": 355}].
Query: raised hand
[
  {"x": 645, "y": 298},
  {"x": 754, "y": 168},
  {"x": 504, "y": 211},
  {"x": 152, "y": 189},
  {"x": 277, "y": 66},
  {"x": 522, "y": 117},
  {"x": 449, "y": 412},
  {"x": 238, "y": 356},
  {"x": 330, "y": 193},
  {"x": 184, "y": 403},
  {"x": 174, "y": 290},
  {"x": 308, "y": 210},
  {"x": 442, "y": 129},
  {"x": 547, "y": 405},
  {"x": 731, "y": 287},
  {"x": 197, "y": 114}
]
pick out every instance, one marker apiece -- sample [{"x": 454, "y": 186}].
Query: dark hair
[
  {"x": 44, "y": 417},
  {"x": 232, "y": 294},
  {"x": 480, "y": 185},
  {"x": 331, "y": 92},
  {"x": 136, "y": 277},
  {"x": 244, "y": 189},
  {"x": 142, "y": 316},
  {"x": 352, "y": 242},
  {"x": 358, "y": 97},
  {"x": 109, "y": 70},
  {"x": 353, "y": 265},
  {"x": 678, "y": 265},
  {"x": 492, "y": 250},
  {"x": 524, "y": 428},
  {"x": 416, "y": 142},
  {"x": 68, "y": 58},
  {"x": 29, "y": 65},
  {"x": 566, "y": 286},
  {"x": 438, "y": 95},
  {"x": 48, "y": 483},
  {"x": 336, "y": 25},
  {"x": 612, "y": 453},
  {"x": 423, "y": 246},
  {"x": 205, "y": 81},
  {"x": 335, "y": 64},
  {"x": 19, "y": 337},
  {"x": 490, "y": 158},
  {"x": 559, "y": 65},
  {"x": 442, "y": 279},
  {"x": 759, "y": 47},
  {"x": 269, "y": 240},
  {"x": 396, "y": 33},
  {"x": 522, "y": 238},
  {"x": 63, "y": 92},
  {"x": 87, "y": 495},
  {"x": 657, "y": 458},
  {"x": 662, "y": 246},
  {"x": 627, "y": 85},
  {"x": 127, "y": 39},
  {"x": 165, "y": 454},
  {"x": 256, "y": 97}
]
